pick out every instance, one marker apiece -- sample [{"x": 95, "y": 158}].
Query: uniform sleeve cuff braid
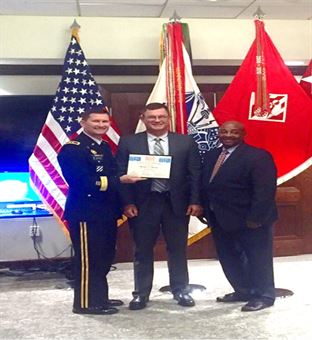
[{"x": 104, "y": 183}]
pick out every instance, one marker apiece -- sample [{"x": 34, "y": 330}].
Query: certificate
[{"x": 149, "y": 166}]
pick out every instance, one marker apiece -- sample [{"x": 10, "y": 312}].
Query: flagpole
[
  {"x": 175, "y": 60},
  {"x": 279, "y": 292},
  {"x": 259, "y": 14},
  {"x": 175, "y": 17}
]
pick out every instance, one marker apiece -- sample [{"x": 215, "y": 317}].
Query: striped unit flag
[
  {"x": 189, "y": 112},
  {"x": 76, "y": 92}
]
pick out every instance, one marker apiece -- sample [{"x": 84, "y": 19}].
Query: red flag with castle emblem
[{"x": 275, "y": 110}]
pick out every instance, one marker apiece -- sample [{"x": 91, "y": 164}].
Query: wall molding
[{"x": 126, "y": 70}]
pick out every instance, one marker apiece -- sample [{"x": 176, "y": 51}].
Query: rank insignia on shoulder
[
  {"x": 93, "y": 151},
  {"x": 73, "y": 142}
]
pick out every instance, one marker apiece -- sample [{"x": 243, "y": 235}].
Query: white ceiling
[{"x": 213, "y": 9}]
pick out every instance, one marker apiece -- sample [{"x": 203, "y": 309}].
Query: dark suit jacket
[
  {"x": 83, "y": 162},
  {"x": 185, "y": 172},
  {"x": 243, "y": 189}
]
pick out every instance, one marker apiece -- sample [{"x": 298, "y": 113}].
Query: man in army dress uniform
[{"x": 92, "y": 209}]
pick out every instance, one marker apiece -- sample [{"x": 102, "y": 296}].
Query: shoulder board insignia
[
  {"x": 93, "y": 152},
  {"x": 74, "y": 142}
]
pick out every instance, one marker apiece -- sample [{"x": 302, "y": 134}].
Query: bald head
[
  {"x": 233, "y": 123},
  {"x": 231, "y": 133}
]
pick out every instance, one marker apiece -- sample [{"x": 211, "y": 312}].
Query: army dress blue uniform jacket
[{"x": 91, "y": 173}]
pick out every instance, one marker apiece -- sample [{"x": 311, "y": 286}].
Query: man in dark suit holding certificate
[
  {"x": 165, "y": 204},
  {"x": 239, "y": 184}
]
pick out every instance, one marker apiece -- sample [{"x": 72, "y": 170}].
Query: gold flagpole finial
[
  {"x": 75, "y": 29},
  {"x": 175, "y": 17},
  {"x": 259, "y": 14}
]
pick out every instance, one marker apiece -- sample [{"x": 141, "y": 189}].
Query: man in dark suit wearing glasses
[{"x": 165, "y": 205}]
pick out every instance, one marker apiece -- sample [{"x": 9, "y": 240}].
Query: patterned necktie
[
  {"x": 159, "y": 185},
  {"x": 218, "y": 164}
]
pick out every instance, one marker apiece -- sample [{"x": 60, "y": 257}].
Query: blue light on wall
[{"x": 15, "y": 187}]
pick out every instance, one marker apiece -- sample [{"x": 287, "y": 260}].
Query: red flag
[
  {"x": 306, "y": 80},
  {"x": 276, "y": 112},
  {"x": 76, "y": 92}
]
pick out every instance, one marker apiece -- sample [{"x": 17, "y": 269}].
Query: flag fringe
[
  {"x": 58, "y": 219},
  {"x": 121, "y": 220},
  {"x": 198, "y": 236},
  {"x": 302, "y": 167}
]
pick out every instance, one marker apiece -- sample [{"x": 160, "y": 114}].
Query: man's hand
[
  {"x": 131, "y": 210},
  {"x": 253, "y": 225},
  {"x": 194, "y": 210},
  {"x": 128, "y": 179}
]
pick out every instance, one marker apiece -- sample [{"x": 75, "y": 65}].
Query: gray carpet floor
[{"x": 38, "y": 306}]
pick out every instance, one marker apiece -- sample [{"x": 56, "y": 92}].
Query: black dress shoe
[
  {"x": 96, "y": 310},
  {"x": 114, "y": 303},
  {"x": 138, "y": 302},
  {"x": 184, "y": 299},
  {"x": 256, "y": 304},
  {"x": 232, "y": 297}
]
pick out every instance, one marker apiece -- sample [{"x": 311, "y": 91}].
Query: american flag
[{"x": 76, "y": 92}]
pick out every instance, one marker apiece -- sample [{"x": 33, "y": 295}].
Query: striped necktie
[
  {"x": 218, "y": 164},
  {"x": 159, "y": 185}
]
